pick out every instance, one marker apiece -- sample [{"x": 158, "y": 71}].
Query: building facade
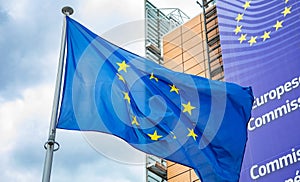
[
  {"x": 185, "y": 49},
  {"x": 158, "y": 22},
  {"x": 193, "y": 48}
]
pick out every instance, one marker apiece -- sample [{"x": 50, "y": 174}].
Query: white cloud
[
  {"x": 29, "y": 47},
  {"x": 18, "y": 116},
  {"x": 23, "y": 127},
  {"x": 100, "y": 17}
]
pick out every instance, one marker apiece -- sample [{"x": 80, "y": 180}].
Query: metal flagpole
[{"x": 50, "y": 144}]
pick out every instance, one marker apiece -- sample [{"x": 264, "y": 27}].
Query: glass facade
[
  {"x": 186, "y": 49},
  {"x": 157, "y": 24},
  {"x": 192, "y": 47}
]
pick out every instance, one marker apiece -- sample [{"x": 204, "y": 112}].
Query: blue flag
[{"x": 183, "y": 118}]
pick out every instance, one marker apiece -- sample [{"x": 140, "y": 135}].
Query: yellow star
[
  {"x": 286, "y": 1},
  {"x": 278, "y": 25},
  {"x": 153, "y": 77},
  {"x": 154, "y": 136},
  {"x": 174, "y": 88},
  {"x": 266, "y": 35},
  {"x": 121, "y": 77},
  {"x": 126, "y": 96},
  {"x": 239, "y": 17},
  {"x": 242, "y": 38},
  {"x": 246, "y": 5},
  {"x": 134, "y": 121},
  {"x": 188, "y": 108},
  {"x": 252, "y": 40},
  {"x": 192, "y": 134},
  {"x": 123, "y": 66},
  {"x": 174, "y": 136},
  {"x": 238, "y": 29},
  {"x": 287, "y": 10}
]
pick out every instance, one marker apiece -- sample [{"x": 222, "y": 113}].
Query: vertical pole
[{"x": 50, "y": 144}]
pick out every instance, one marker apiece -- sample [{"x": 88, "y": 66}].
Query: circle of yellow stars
[
  {"x": 264, "y": 36},
  {"x": 187, "y": 108}
]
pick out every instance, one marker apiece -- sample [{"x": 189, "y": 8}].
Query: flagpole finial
[{"x": 67, "y": 10}]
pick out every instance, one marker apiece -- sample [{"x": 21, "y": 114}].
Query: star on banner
[
  {"x": 239, "y": 17},
  {"x": 123, "y": 66},
  {"x": 266, "y": 35},
  {"x": 242, "y": 38},
  {"x": 278, "y": 25},
  {"x": 154, "y": 136},
  {"x": 174, "y": 89},
  {"x": 246, "y": 5},
  {"x": 192, "y": 134},
  {"x": 287, "y": 10},
  {"x": 238, "y": 29},
  {"x": 188, "y": 108},
  {"x": 252, "y": 40}
]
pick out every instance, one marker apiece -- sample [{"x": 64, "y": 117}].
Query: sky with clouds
[{"x": 29, "y": 44}]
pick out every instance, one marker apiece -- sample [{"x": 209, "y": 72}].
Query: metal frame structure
[
  {"x": 212, "y": 42},
  {"x": 159, "y": 22}
]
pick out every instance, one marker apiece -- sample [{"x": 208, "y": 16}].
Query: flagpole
[{"x": 51, "y": 145}]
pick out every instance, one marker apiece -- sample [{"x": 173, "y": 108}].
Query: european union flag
[{"x": 183, "y": 118}]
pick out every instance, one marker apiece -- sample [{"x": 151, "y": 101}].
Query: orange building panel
[
  {"x": 175, "y": 33},
  {"x": 192, "y": 42},
  {"x": 198, "y": 56},
  {"x": 170, "y": 45},
  {"x": 185, "y": 50},
  {"x": 194, "y": 22},
  {"x": 191, "y": 33},
  {"x": 172, "y": 61},
  {"x": 194, "y": 63}
]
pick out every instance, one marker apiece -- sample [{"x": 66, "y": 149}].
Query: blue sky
[{"x": 29, "y": 44}]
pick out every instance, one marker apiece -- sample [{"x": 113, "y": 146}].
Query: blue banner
[{"x": 261, "y": 47}]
